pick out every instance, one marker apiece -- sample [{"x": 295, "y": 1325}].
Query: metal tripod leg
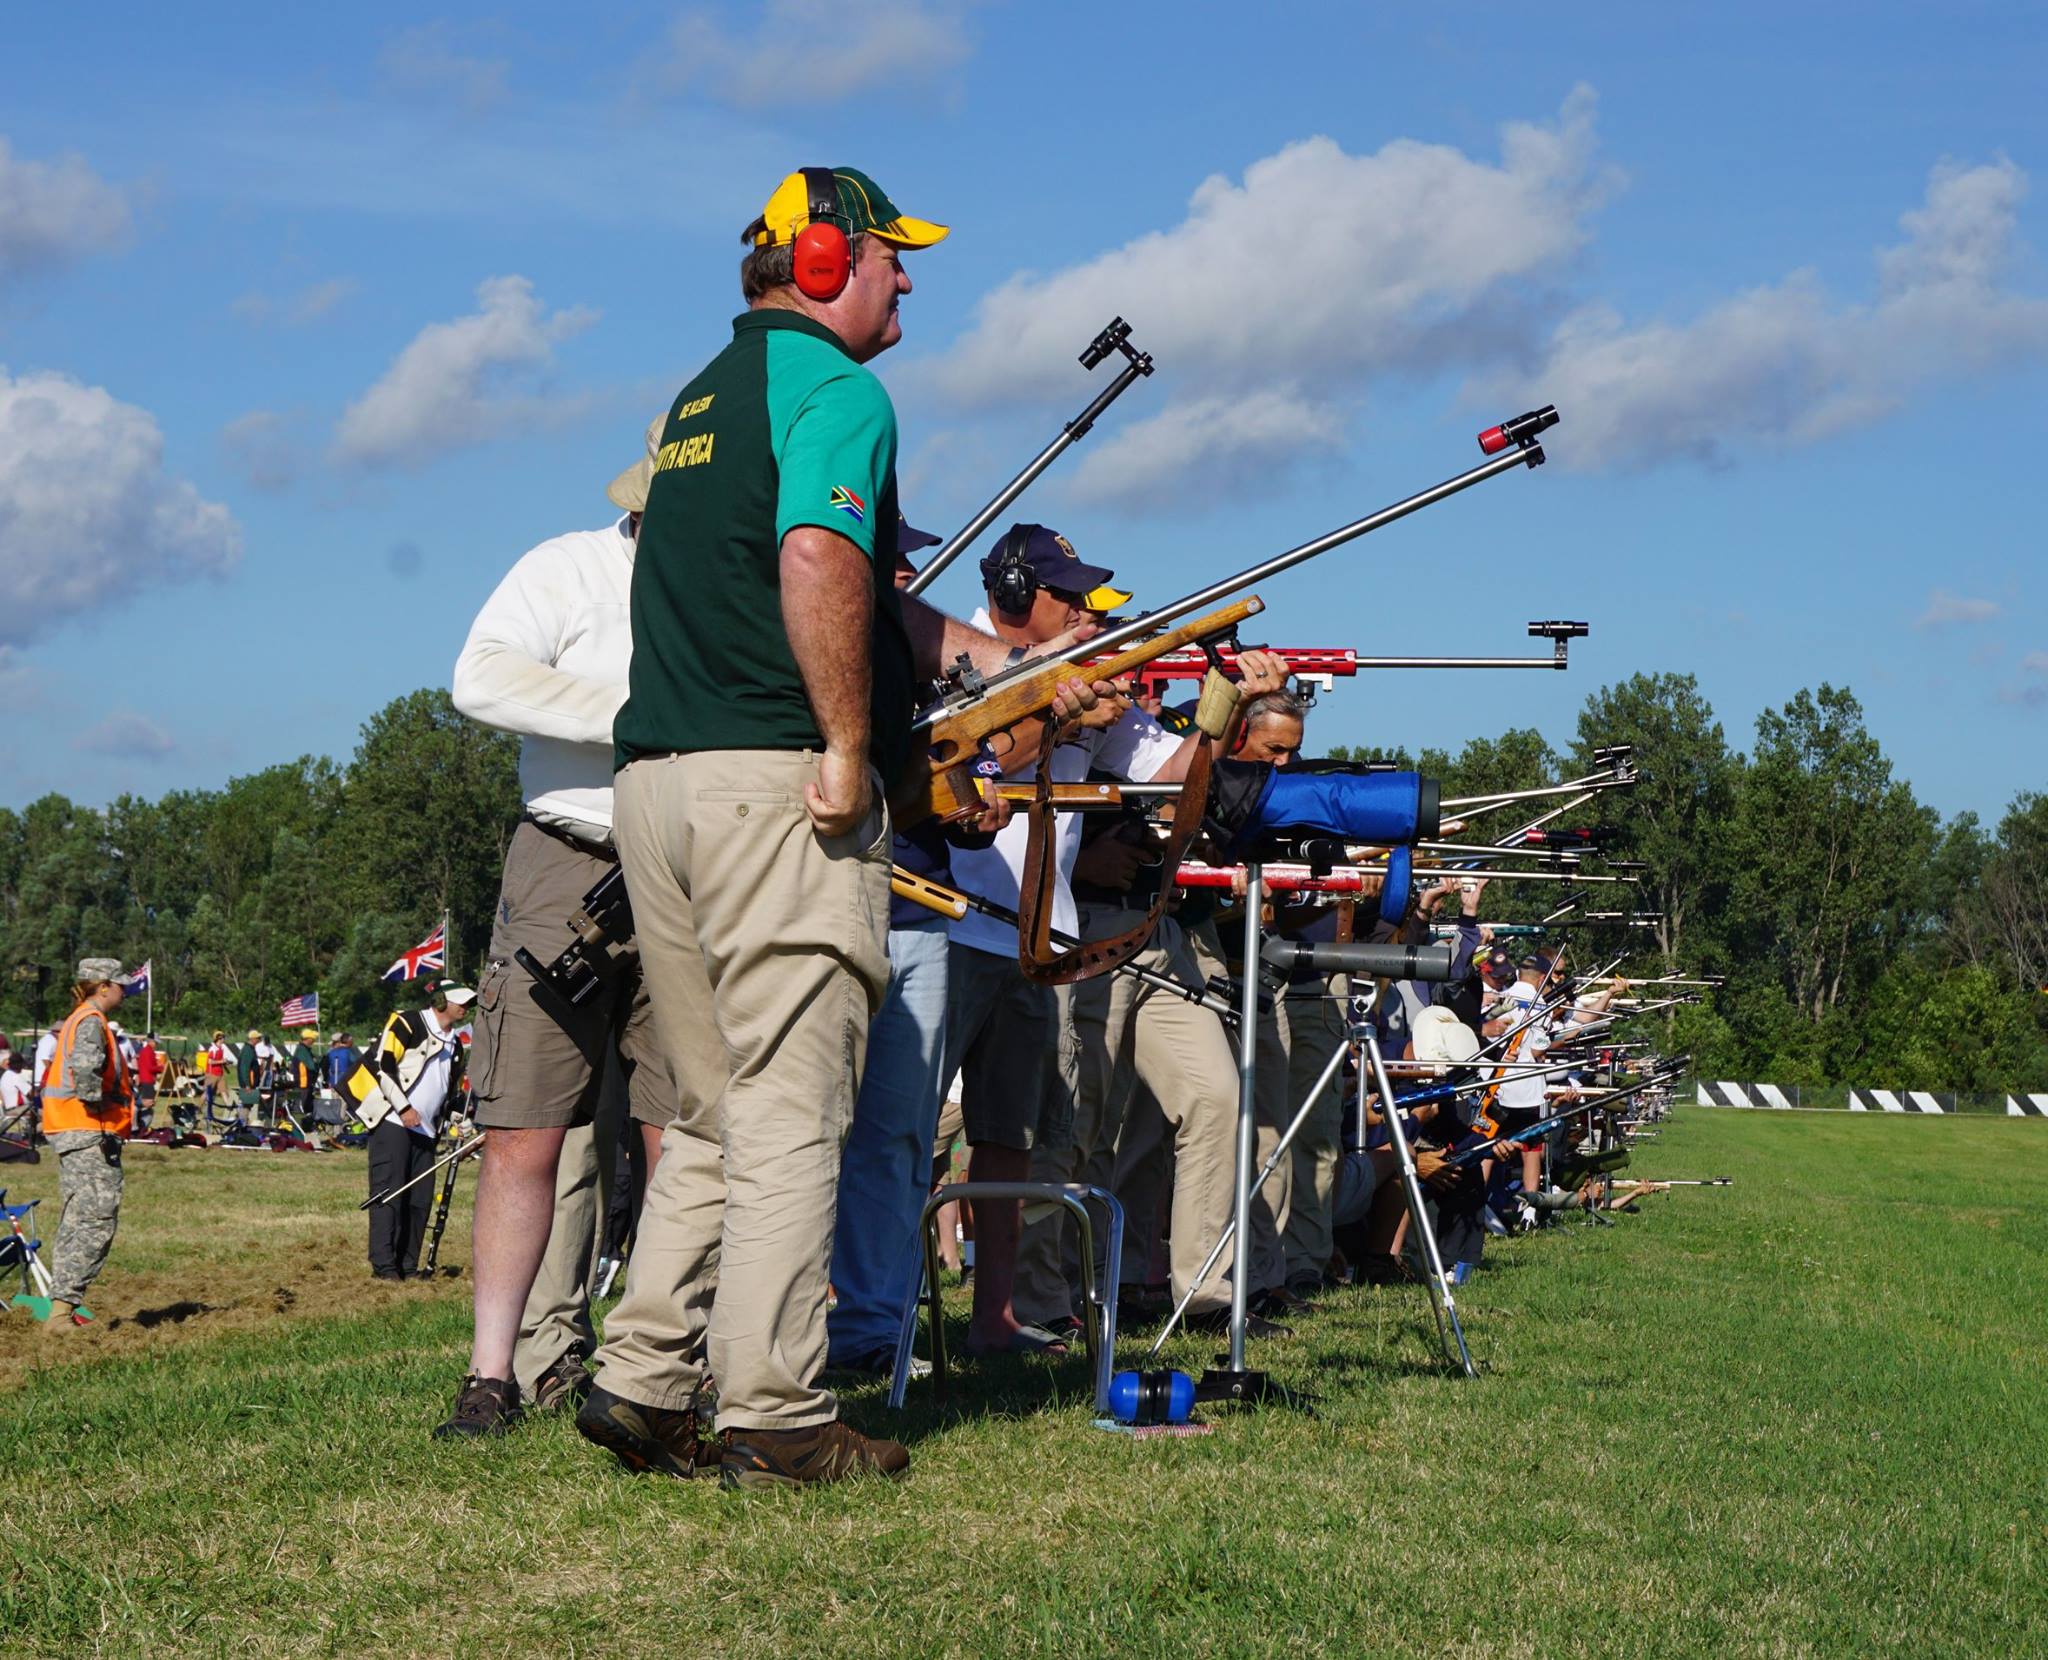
[
  {"x": 1272, "y": 1163},
  {"x": 1442, "y": 1302}
]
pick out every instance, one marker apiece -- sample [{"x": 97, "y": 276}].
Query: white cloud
[
  {"x": 424, "y": 60},
  {"x": 1785, "y": 363},
  {"x": 264, "y": 448},
  {"x": 127, "y": 735},
  {"x": 1231, "y": 441},
  {"x": 1945, "y": 608},
  {"x": 815, "y": 50},
  {"x": 1320, "y": 267},
  {"x": 87, "y": 513},
  {"x": 308, "y": 305},
  {"x": 54, "y": 212},
  {"x": 1298, "y": 285},
  {"x": 455, "y": 384}
]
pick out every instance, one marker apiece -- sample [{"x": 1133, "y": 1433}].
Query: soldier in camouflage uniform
[{"x": 88, "y": 1106}]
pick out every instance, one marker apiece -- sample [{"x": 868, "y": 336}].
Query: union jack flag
[
  {"x": 300, "y": 1011},
  {"x": 431, "y": 952}
]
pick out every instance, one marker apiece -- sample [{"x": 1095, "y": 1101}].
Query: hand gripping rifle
[{"x": 959, "y": 726}]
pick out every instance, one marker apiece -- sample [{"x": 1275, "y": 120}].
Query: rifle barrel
[{"x": 1153, "y": 621}]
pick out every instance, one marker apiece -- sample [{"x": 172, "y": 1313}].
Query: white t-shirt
[
  {"x": 13, "y": 1091},
  {"x": 547, "y": 657},
  {"x": 430, "y": 1089},
  {"x": 1135, "y": 748},
  {"x": 1525, "y": 1090},
  {"x": 46, "y": 1051}
]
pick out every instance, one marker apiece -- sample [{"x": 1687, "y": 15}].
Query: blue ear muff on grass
[{"x": 1145, "y": 1398}]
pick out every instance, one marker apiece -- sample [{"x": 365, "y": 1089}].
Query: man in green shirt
[{"x": 769, "y": 697}]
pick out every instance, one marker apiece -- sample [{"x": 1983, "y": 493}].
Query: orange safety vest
[{"x": 62, "y": 1110}]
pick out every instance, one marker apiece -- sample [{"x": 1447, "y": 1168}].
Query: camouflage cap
[{"x": 98, "y": 968}]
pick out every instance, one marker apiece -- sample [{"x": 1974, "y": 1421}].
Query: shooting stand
[
  {"x": 1100, "y": 1275},
  {"x": 1229, "y": 1380}
]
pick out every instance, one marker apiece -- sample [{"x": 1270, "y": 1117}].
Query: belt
[{"x": 569, "y": 838}]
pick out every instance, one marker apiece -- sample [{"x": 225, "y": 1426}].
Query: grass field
[{"x": 1807, "y": 1414}]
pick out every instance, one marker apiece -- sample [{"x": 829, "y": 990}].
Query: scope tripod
[{"x": 1232, "y": 1381}]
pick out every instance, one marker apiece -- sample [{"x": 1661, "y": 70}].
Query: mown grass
[{"x": 1802, "y": 1415}]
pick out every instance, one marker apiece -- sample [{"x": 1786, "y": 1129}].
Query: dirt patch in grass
[{"x": 215, "y": 1243}]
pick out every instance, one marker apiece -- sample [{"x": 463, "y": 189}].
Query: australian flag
[
  {"x": 137, "y": 983},
  {"x": 431, "y": 952}
]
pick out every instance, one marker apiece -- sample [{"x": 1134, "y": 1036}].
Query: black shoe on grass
[
  {"x": 799, "y": 1457},
  {"x": 647, "y": 1437},
  {"x": 483, "y": 1406}
]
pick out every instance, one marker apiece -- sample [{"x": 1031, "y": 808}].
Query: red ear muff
[{"x": 824, "y": 260}]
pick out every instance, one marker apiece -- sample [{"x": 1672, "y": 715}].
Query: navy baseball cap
[
  {"x": 1497, "y": 961},
  {"x": 1052, "y": 557},
  {"x": 908, "y": 536}
]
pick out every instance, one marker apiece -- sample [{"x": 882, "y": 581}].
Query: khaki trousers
[
  {"x": 1315, "y": 1032},
  {"x": 1045, "y": 1286},
  {"x": 765, "y": 951},
  {"x": 1276, "y": 1198},
  {"x": 1130, "y": 1031}
]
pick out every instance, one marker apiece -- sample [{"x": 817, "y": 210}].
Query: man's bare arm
[{"x": 828, "y": 607}]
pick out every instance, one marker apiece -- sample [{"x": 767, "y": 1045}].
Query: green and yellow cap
[{"x": 862, "y": 207}]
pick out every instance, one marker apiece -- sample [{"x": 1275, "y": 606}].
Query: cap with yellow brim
[{"x": 862, "y": 208}]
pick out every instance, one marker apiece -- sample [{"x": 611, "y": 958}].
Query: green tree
[
  {"x": 1828, "y": 850},
  {"x": 1675, "y": 818}
]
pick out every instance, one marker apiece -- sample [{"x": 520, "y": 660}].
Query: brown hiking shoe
[
  {"x": 797, "y": 1457},
  {"x": 566, "y": 1383},
  {"x": 483, "y": 1406},
  {"x": 647, "y": 1437}
]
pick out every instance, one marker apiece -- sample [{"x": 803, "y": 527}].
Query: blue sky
[{"x": 313, "y": 319}]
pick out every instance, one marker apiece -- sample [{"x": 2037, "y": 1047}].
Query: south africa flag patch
[{"x": 850, "y": 504}]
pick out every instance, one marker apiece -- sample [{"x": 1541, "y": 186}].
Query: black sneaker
[
  {"x": 483, "y": 1406},
  {"x": 799, "y": 1457},
  {"x": 647, "y": 1437},
  {"x": 1218, "y": 1319},
  {"x": 565, "y": 1383}
]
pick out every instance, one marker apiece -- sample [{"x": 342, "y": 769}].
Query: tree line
[{"x": 1864, "y": 940}]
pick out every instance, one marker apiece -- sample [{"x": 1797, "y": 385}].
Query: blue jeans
[{"x": 885, "y": 1170}]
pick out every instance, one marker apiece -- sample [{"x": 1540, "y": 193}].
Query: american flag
[
  {"x": 300, "y": 1011},
  {"x": 431, "y": 952}
]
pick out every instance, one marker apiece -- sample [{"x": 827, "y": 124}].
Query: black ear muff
[
  {"x": 823, "y": 255},
  {"x": 1012, "y": 584}
]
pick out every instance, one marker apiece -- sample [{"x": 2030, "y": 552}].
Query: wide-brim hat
[{"x": 628, "y": 492}]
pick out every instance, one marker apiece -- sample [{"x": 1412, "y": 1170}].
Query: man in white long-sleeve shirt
[{"x": 547, "y": 658}]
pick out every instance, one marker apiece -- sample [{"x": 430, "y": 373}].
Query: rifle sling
[{"x": 1035, "y": 954}]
